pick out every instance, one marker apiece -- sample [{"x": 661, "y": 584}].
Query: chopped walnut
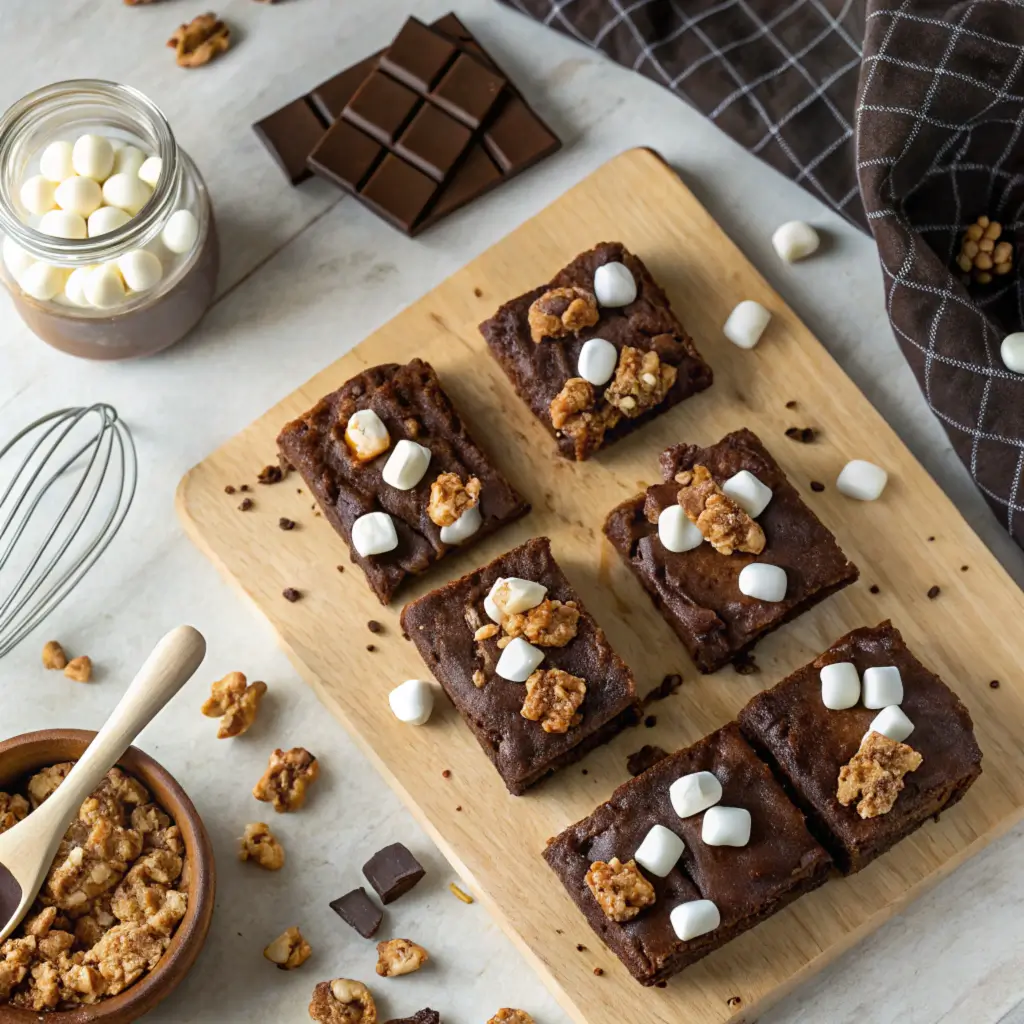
[
  {"x": 641, "y": 381},
  {"x": 620, "y": 890},
  {"x": 875, "y": 774},
  {"x": 125, "y": 953},
  {"x": 289, "y": 950},
  {"x": 112, "y": 798},
  {"x": 40, "y": 924},
  {"x": 479, "y": 679},
  {"x": 198, "y": 42},
  {"x": 553, "y": 698},
  {"x": 399, "y": 956},
  {"x": 87, "y": 871},
  {"x": 45, "y": 782},
  {"x": 79, "y": 669},
  {"x": 722, "y": 522},
  {"x": 238, "y": 703},
  {"x": 449, "y": 498},
  {"x": 549, "y": 624},
  {"x": 576, "y": 396},
  {"x": 486, "y": 632},
  {"x": 157, "y": 830},
  {"x": 145, "y": 895},
  {"x": 54, "y": 656},
  {"x": 42, "y": 991},
  {"x": 573, "y": 413},
  {"x": 506, "y": 1015},
  {"x": 286, "y": 779},
  {"x": 560, "y": 312},
  {"x": 13, "y": 808},
  {"x": 259, "y": 844},
  {"x": 85, "y": 982},
  {"x": 16, "y": 956},
  {"x": 342, "y": 1002}
]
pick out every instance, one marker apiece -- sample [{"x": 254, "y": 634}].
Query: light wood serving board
[{"x": 907, "y": 542}]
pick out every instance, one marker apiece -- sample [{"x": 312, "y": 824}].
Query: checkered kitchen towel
[{"x": 907, "y": 118}]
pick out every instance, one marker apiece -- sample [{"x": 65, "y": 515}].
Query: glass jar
[{"x": 125, "y": 323}]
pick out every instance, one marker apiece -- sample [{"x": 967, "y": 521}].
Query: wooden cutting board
[{"x": 906, "y": 543}]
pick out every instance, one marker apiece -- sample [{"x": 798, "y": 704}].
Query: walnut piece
[
  {"x": 449, "y": 498},
  {"x": 553, "y": 698},
  {"x": 620, "y": 890},
  {"x": 506, "y": 1015},
  {"x": 124, "y": 954},
  {"x": 549, "y": 624},
  {"x": 875, "y": 774},
  {"x": 259, "y": 844},
  {"x": 13, "y": 808},
  {"x": 576, "y": 396},
  {"x": 286, "y": 779},
  {"x": 238, "y": 703},
  {"x": 79, "y": 669},
  {"x": 486, "y": 632},
  {"x": 722, "y": 522},
  {"x": 479, "y": 679},
  {"x": 289, "y": 950},
  {"x": 198, "y": 42},
  {"x": 399, "y": 956},
  {"x": 54, "y": 656},
  {"x": 342, "y": 1002},
  {"x": 573, "y": 413},
  {"x": 45, "y": 781},
  {"x": 561, "y": 312},
  {"x": 641, "y": 382}
]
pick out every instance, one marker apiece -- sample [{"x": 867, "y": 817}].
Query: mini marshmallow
[
  {"x": 366, "y": 435},
  {"x": 62, "y": 224},
  {"x": 79, "y": 195},
  {"x": 883, "y": 685},
  {"x": 726, "y": 826},
  {"x": 892, "y": 722},
  {"x": 660, "y": 851},
  {"x": 746, "y": 323},
  {"x": 862, "y": 480},
  {"x": 55, "y": 163},
  {"x": 38, "y": 195},
  {"x": 106, "y": 219},
  {"x": 140, "y": 269},
  {"x": 43, "y": 281},
  {"x": 406, "y": 465},
  {"x": 126, "y": 192},
  {"x": 763, "y": 582},
  {"x": 129, "y": 160},
  {"x": 412, "y": 702},
  {"x": 514, "y": 595},
  {"x": 374, "y": 534},
  {"x": 104, "y": 287},
  {"x": 694, "y": 793},
  {"x": 795, "y": 240},
  {"x": 690, "y": 920},
  {"x": 492, "y": 610},
  {"x": 16, "y": 259},
  {"x": 180, "y": 232},
  {"x": 463, "y": 528},
  {"x": 748, "y": 492},
  {"x": 74, "y": 289},
  {"x": 1011, "y": 351},
  {"x": 840, "y": 685},
  {"x": 519, "y": 660},
  {"x": 92, "y": 156},
  {"x": 676, "y": 531},
  {"x": 614, "y": 285},
  {"x": 150, "y": 170},
  {"x": 597, "y": 361}
]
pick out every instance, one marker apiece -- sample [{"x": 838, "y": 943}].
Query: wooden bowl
[{"x": 25, "y": 754}]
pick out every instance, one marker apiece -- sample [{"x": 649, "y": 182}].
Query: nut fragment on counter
[
  {"x": 261, "y": 846},
  {"x": 560, "y": 312},
  {"x": 236, "y": 703},
  {"x": 289, "y": 950},
  {"x": 982, "y": 255},
  {"x": 506, "y": 1015},
  {"x": 875, "y": 774},
  {"x": 450, "y": 497},
  {"x": 342, "y": 1002},
  {"x": 620, "y": 889},
  {"x": 553, "y": 698},
  {"x": 198, "y": 42},
  {"x": 288, "y": 775},
  {"x": 724, "y": 524},
  {"x": 399, "y": 956},
  {"x": 54, "y": 656},
  {"x": 79, "y": 669}
]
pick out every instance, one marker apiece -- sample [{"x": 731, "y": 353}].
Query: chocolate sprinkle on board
[
  {"x": 371, "y": 647},
  {"x": 229, "y": 489},
  {"x": 285, "y": 523},
  {"x": 651, "y": 721},
  {"x": 791, "y": 404},
  {"x": 805, "y": 435},
  {"x": 933, "y": 592},
  {"x": 817, "y": 486},
  {"x": 246, "y": 505},
  {"x": 646, "y": 757},
  {"x": 994, "y": 684},
  {"x": 374, "y": 626},
  {"x": 446, "y": 774},
  {"x": 745, "y": 665},
  {"x": 580, "y": 948},
  {"x": 290, "y": 594},
  {"x": 270, "y": 475},
  {"x": 244, "y": 488},
  {"x": 665, "y": 688},
  {"x": 874, "y": 588}
]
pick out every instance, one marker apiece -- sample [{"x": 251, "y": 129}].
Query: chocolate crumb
[
  {"x": 791, "y": 404},
  {"x": 805, "y": 435},
  {"x": 994, "y": 684},
  {"x": 874, "y": 588},
  {"x": 933, "y": 592},
  {"x": 964, "y": 568},
  {"x": 651, "y": 721},
  {"x": 270, "y": 475},
  {"x": 298, "y": 490},
  {"x": 585, "y": 771},
  {"x": 246, "y": 505},
  {"x": 290, "y": 594},
  {"x": 580, "y": 948},
  {"x": 244, "y": 488},
  {"x": 646, "y": 757},
  {"x": 599, "y": 971},
  {"x": 446, "y": 774},
  {"x": 229, "y": 489},
  {"x": 665, "y": 688},
  {"x": 478, "y": 293},
  {"x": 661, "y": 984},
  {"x": 285, "y": 523},
  {"x": 459, "y": 808},
  {"x": 745, "y": 665},
  {"x": 371, "y": 647},
  {"x": 817, "y": 486},
  {"x": 340, "y": 568},
  {"x": 930, "y": 539},
  {"x": 374, "y": 626}
]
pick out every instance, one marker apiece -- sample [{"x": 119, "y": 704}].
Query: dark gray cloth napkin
[{"x": 905, "y": 117}]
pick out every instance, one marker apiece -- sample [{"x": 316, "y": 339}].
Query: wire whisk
[{"x": 66, "y": 484}]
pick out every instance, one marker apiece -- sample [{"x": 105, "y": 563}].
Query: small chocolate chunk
[
  {"x": 646, "y": 757},
  {"x": 245, "y": 505},
  {"x": 817, "y": 486},
  {"x": 427, "y": 1016},
  {"x": 393, "y": 872},
  {"x": 358, "y": 911},
  {"x": 933, "y": 592},
  {"x": 805, "y": 435},
  {"x": 286, "y": 523},
  {"x": 270, "y": 475},
  {"x": 665, "y": 688},
  {"x": 291, "y": 594},
  {"x": 994, "y": 684},
  {"x": 650, "y": 721},
  {"x": 374, "y": 626},
  {"x": 229, "y": 489},
  {"x": 874, "y": 588}
]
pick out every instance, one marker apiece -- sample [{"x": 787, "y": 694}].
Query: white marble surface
[{"x": 309, "y": 275}]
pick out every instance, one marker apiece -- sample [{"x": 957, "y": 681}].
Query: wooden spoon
[{"x": 27, "y": 850}]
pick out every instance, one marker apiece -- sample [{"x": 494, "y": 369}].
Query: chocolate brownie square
[
  {"x": 538, "y": 338},
  {"x": 579, "y": 693},
  {"x": 747, "y": 884},
  {"x": 808, "y": 744},
  {"x": 411, "y": 406},
  {"x": 698, "y": 590}
]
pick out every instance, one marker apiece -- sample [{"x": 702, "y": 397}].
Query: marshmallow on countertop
[
  {"x": 862, "y": 480},
  {"x": 513, "y": 595},
  {"x": 726, "y": 826},
  {"x": 746, "y": 323},
  {"x": 1011, "y": 351},
  {"x": 795, "y": 240},
  {"x": 412, "y": 702},
  {"x": 62, "y": 224},
  {"x": 660, "y": 851},
  {"x": 406, "y": 465},
  {"x": 92, "y": 156},
  {"x": 366, "y": 435},
  {"x": 892, "y": 722},
  {"x": 840, "y": 685},
  {"x": 614, "y": 285},
  {"x": 519, "y": 660},
  {"x": 693, "y": 919},
  {"x": 694, "y": 793},
  {"x": 180, "y": 232},
  {"x": 38, "y": 195},
  {"x": 463, "y": 528},
  {"x": 374, "y": 534},
  {"x": 597, "y": 361},
  {"x": 883, "y": 686},
  {"x": 79, "y": 195},
  {"x": 763, "y": 582},
  {"x": 748, "y": 492},
  {"x": 676, "y": 531},
  {"x": 55, "y": 162},
  {"x": 106, "y": 219}
]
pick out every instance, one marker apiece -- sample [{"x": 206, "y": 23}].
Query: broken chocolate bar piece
[
  {"x": 357, "y": 910},
  {"x": 427, "y": 1016},
  {"x": 393, "y": 872}
]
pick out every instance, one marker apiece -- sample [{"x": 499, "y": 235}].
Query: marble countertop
[{"x": 305, "y": 276}]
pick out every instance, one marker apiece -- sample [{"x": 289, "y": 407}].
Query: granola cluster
[
  {"x": 450, "y": 497},
  {"x": 399, "y": 956},
  {"x": 553, "y": 698},
  {"x": 560, "y": 312},
  {"x": 550, "y": 624},
  {"x": 641, "y": 382},
  {"x": 722, "y": 522},
  {"x": 289, "y": 774},
  {"x": 198, "y": 42},
  {"x": 875, "y": 774},
  {"x": 110, "y": 904},
  {"x": 342, "y": 1002},
  {"x": 620, "y": 889},
  {"x": 235, "y": 703}
]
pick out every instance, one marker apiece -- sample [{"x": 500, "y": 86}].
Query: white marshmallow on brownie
[
  {"x": 748, "y": 492},
  {"x": 463, "y": 528},
  {"x": 691, "y": 794},
  {"x": 519, "y": 660},
  {"x": 725, "y": 826},
  {"x": 597, "y": 361},
  {"x": 892, "y": 722},
  {"x": 840, "y": 685},
  {"x": 676, "y": 531},
  {"x": 513, "y": 595},
  {"x": 614, "y": 285},
  {"x": 366, "y": 435},
  {"x": 763, "y": 582},
  {"x": 406, "y": 465},
  {"x": 374, "y": 534},
  {"x": 693, "y": 919},
  {"x": 660, "y": 851},
  {"x": 883, "y": 686}
]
